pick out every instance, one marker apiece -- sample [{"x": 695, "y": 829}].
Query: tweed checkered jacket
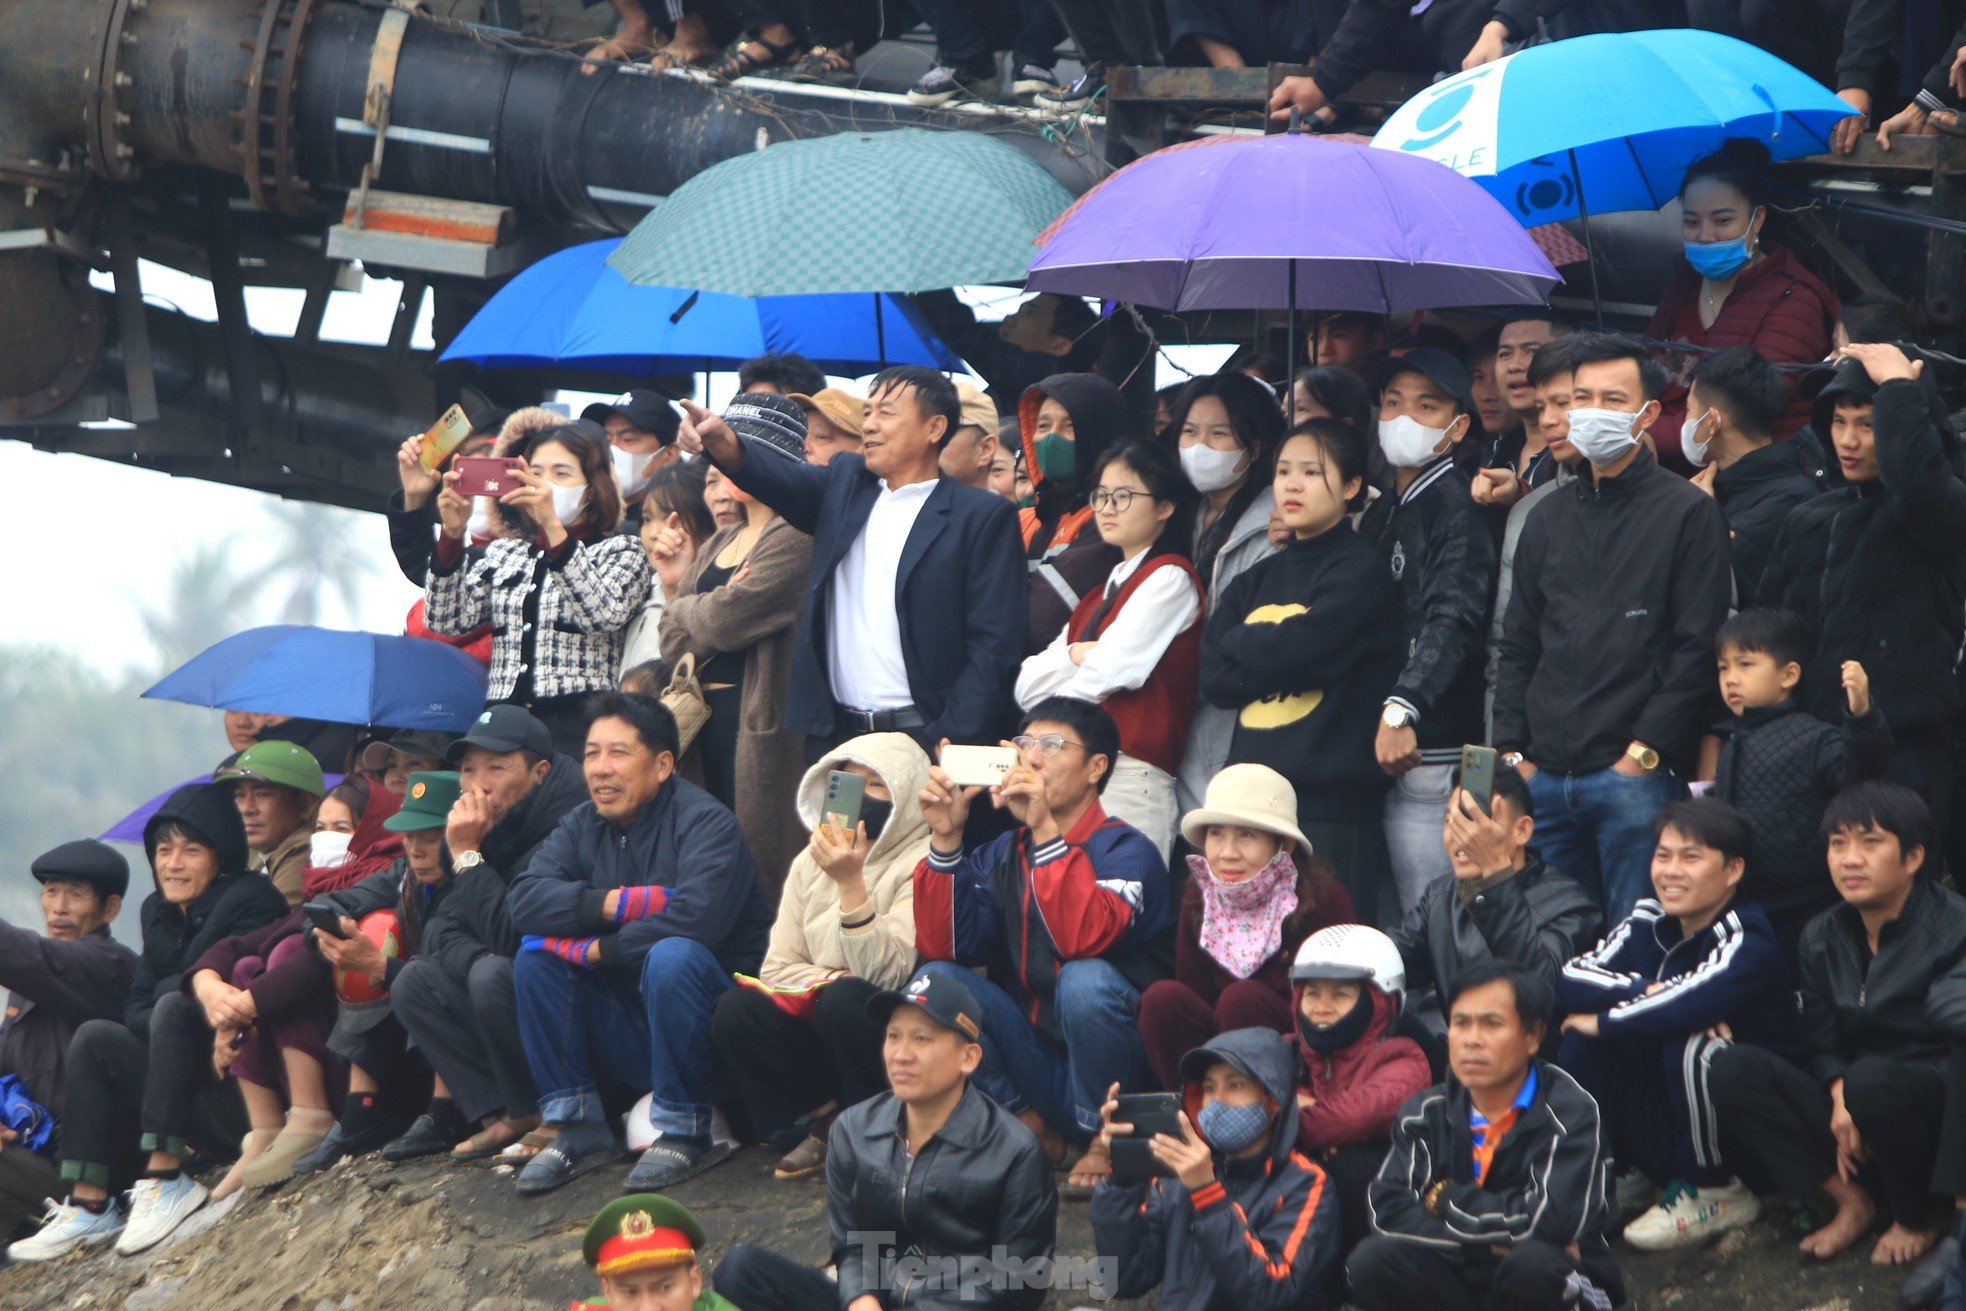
[{"x": 584, "y": 602}]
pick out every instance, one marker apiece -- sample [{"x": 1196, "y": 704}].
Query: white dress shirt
[
  {"x": 1131, "y": 644},
  {"x": 863, "y": 644}
]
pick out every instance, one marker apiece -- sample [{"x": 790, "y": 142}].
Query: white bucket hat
[{"x": 1248, "y": 796}]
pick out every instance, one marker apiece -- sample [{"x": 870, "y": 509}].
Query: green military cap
[{"x": 427, "y": 803}]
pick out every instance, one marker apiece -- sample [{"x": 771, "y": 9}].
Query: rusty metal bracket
[
  {"x": 266, "y": 120},
  {"x": 388, "y": 49}
]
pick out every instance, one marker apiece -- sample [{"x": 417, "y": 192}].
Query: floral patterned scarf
[{"x": 1242, "y": 923}]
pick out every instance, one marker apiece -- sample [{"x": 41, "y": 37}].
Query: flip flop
[
  {"x": 1094, "y": 1162},
  {"x": 518, "y": 1153},
  {"x": 478, "y": 1146},
  {"x": 738, "y": 61},
  {"x": 662, "y": 1168},
  {"x": 553, "y": 1168}
]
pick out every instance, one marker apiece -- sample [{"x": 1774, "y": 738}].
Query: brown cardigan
[{"x": 759, "y": 617}]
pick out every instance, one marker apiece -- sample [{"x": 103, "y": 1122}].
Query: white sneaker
[
  {"x": 1687, "y": 1216},
  {"x": 65, "y": 1227},
  {"x": 157, "y": 1207},
  {"x": 1635, "y": 1194}
]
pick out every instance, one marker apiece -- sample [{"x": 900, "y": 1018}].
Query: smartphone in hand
[
  {"x": 444, "y": 436},
  {"x": 1478, "y": 776},
  {"x": 844, "y": 794},
  {"x": 977, "y": 766},
  {"x": 1134, "y": 1161},
  {"x": 487, "y": 475},
  {"x": 325, "y": 918}
]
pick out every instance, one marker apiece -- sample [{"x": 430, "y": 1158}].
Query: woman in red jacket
[
  {"x": 1254, "y": 894},
  {"x": 1735, "y": 288}
]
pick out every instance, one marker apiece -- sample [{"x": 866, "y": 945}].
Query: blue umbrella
[
  {"x": 1601, "y": 124},
  {"x": 343, "y": 677},
  {"x": 571, "y": 310}
]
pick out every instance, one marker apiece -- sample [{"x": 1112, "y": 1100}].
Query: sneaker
[
  {"x": 1032, "y": 80},
  {"x": 158, "y": 1206},
  {"x": 1084, "y": 90},
  {"x": 65, "y": 1227},
  {"x": 942, "y": 84},
  {"x": 1635, "y": 1194},
  {"x": 1687, "y": 1216}
]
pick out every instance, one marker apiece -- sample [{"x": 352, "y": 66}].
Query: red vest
[{"x": 1153, "y": 718}]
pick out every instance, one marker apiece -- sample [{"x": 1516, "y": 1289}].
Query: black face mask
[
  {"x": 875, "y": 814},
  {"x": 1340, "y": 1035}
]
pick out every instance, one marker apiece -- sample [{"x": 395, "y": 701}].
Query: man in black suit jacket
[{"x": 914, "y": 611}]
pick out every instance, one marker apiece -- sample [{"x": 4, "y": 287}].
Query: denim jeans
[
  {"x": 1416, "y": 812},
  {"x": 1597, "y": 828},
  {"x": 1021, "y": 1068},
  {"x": 656, "y": 1037}
]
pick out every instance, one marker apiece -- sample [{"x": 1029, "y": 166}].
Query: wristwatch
[
  {"x": 1396, "y": 715},
  {"x": 470, "y": 860},
  {"x": 1513, "y": 759},
  {"x": 1644, "y": 757}
]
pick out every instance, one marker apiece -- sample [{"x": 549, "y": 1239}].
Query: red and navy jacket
[{"x": 1098, "y": 891}]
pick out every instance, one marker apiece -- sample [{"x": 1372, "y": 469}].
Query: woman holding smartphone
[
  {"x": 734, "y": 604},
  {"x": 559, "y": 592},
  {"x": 1304, "y": 646},
  {"x": 1132, "y": 643}
]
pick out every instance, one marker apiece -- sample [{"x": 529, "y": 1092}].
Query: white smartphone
[{"x": 977, "y": 766}]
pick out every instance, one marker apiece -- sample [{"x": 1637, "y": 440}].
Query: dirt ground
[{"x": 368, "y": 1236}]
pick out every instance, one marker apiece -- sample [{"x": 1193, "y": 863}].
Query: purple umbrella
[
  {"x": 130, "y": 827},
  {"x": 1276, "y": 221}
]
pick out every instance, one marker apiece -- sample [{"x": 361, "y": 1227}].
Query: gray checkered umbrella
[{"x": 906, "y": 210}]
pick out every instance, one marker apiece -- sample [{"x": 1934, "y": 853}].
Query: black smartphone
[
  {"x": 1134, "y": 1161},
  {"x": 325, "y": 918},
  {"x": 1478, "y": 775},
  {"x": 844, "y": 793}
]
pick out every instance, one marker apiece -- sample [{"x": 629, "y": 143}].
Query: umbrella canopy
[
  {"x": 1600, "y": 124},
  {"x": 906, "y": 210},
  {"x": 570, "y": 310},
  {"x": 325, "y": 673},
  {"x": 130, "y": 827},
  {"x": 1292, "y": 219}
]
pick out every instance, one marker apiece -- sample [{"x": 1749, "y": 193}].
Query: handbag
[{"x": 685, "y": 701}]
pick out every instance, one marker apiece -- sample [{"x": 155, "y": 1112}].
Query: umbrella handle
[{"x": 1296, "y": 120}]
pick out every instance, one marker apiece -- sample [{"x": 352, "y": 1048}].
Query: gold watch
[{"x": 1646, "y": 758}]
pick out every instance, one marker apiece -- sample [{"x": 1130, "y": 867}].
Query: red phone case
[{"x": 486, "y": 475}]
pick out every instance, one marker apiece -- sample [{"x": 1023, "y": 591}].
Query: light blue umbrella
[
  {"x": 1601, "y": 124},
  {"x": 571, "y": 310}
]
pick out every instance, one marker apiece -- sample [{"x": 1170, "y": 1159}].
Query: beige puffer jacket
[{"x": 807, "y": 943}]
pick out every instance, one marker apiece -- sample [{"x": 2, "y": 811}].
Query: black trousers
[
  {"x": 968, "y": 32},
  {"x": 1113, "y": 32},
  {"x": 1774, "y": 1120},
  {"x": 836, "y": 23},
  {"x": 1806, "y": 33},
  {"x": 402, "y": 1076},
  {"x": 1390, "y": 1275},
  {"x": 469, "y": 1033},
  {"x": 758, "y": 1279},
  {"x": 837, "y": 1055},
  {"x": 27, "y": 1179},
  {"x": 1261, "y": 31},
  {"x": 126, "y": 1095},
  {"x": 715, "y": 747},
  {"x": 1351, "y": 1170}
]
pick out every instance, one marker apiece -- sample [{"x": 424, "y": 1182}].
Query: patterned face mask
[{"x": 1232, "y": 1129}]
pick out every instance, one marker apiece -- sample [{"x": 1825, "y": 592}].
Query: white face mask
[
  {"x": 1601, "y": 436},
  {"x": 567, "y": 502},
  {"x": 326, "y": 849},
  {"x": 482, "y": 526},
  {"x": 1694, "y": 448},
  {"x": 1410, "y": 444},
  {"x": 1211, "y": 470},
  {"x": 632, "y": 471}
]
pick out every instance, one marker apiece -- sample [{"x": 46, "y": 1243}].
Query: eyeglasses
[
  {"x": 1117, "y": 497},
  {"x": 1047, "y": 746}
]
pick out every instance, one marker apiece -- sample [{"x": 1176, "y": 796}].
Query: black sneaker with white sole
[
  {"x": 942, "y": 84},
  {"x": 1085, "y": 88},
  {"x": 1032, "y": 81}
]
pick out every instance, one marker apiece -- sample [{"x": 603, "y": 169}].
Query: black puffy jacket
[
  {"x": 1908, "y": 1002},
  {"x": 1756, "y": 493},
  {"x": 979, "y": 1193},
  {"x": 1878, "y": 570},
  {"x": 1443, "y": 554}
]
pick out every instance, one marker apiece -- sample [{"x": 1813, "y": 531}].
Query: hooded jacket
[
  {"x": 1066, "y": 556},
  {"x": 473, "y": 921},
  {"x": 236, "y": 901},
  {"x": 1618, "y": 588},
  {"x": 683, "y": 839},
  {"x": 1359, "y": 1088},
  {"x": 1731, "y": 972},
  {"x": 978, "y": 1192},
  {"x": 1537, "y": 918},
  {"x": 1548, "y": 1181},
  {"x": 1261, "y": 1236},
  {"x": 1907, "y": 1003},
  {"x": 811, "y": 940},
  {"x": 1878, "y": 570}
]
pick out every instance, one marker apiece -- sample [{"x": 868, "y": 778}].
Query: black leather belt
[{"x": 881, "y": 721}]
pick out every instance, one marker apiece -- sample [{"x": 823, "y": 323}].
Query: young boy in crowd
[
  {"x": 1348, "y": 986},
  {"x": 643, "y": 1247},
  {"x": 1780, "y": 765},
  {"x": 1246, "y": 1221},
  {"x": 1694, "y": 967}
]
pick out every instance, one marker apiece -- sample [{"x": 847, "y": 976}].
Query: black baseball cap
[
  {"x": 1433, "y": 363},
  {"x": 502, "y": 729},
  {"x": 648, "y": 410},
  {"x": 941, "y": 998},
  {"x": 86, "y": 861}
]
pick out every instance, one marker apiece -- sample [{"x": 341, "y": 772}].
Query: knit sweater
[{"x": 1306, "y": 644}]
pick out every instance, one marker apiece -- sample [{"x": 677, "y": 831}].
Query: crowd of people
[{"x": 1467, "y": 801}]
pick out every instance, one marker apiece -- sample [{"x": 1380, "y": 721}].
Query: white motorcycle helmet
[{"x": 1353, "y": 951}]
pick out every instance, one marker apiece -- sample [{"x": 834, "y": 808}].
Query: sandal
[
  {"x": 525, "y": 1149},
  {"x": 488, "y": 1141},
  {"x": 825, "y": 64},
  {"x": 738, "y": 61},
  {"x": 808, "y": 1158},
  {"x": 553, "y": 1168},
  {"x": 1095, "y": 1165}
]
